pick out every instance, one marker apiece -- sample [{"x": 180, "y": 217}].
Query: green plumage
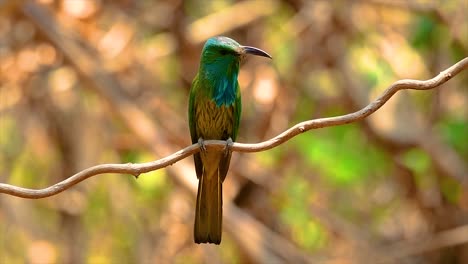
[{"x": 214, "y": 113}]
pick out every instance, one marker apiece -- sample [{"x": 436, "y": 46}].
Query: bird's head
[{"x": 224, "y": 53}]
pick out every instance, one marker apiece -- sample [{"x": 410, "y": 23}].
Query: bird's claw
[
  {"x": 201, "y": 142},
  {"x": 227, "y": 148}
]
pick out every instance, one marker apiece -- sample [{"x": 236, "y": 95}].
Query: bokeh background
[{"x": 85, "y": 82}]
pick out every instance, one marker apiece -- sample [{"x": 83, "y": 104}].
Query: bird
[{"x": 214, "y": 113}]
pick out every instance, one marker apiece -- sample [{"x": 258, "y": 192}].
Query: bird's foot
[
  {"x": 227, "y": 148},
  {"x": 201, "y": 142}
]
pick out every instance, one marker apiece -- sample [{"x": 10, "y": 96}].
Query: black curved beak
[{"x": 255, "y": 51}]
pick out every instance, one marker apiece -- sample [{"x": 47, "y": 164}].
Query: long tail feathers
[{"x": 209, "y": 210}]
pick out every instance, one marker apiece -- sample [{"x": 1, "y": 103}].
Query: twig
[{"x": 137, "y": 169}]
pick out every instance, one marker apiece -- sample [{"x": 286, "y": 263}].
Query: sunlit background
[{"x": 85, "y": 82}]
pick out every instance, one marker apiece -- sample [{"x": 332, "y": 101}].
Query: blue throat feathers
[
  {"x": 225, "y": 90},
  {"x": 224, "y": 74}
]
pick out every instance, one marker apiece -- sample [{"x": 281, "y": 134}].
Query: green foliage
[
  {"x": 98, "y": 209},
  {"x": 10, "y": 140},
  {"x": 26, "y": 173},
  {"x": 152, "y": 188},
  {"x": 229, "y": 251},
  {"x": 455, "y": 132},
  {"x": 154, "y": 184},
  {"x": 420, "y": 164},
  {"x": 295, "y": 213},
  {"x": 425, "y": 33},
  {"x": 343, "y": 167},
  {"x": 451, "y": 190},
  {"x": 281, "y": 42},
  {"x": 417, "y": 160},
  {"x": 370, "y": 65}
]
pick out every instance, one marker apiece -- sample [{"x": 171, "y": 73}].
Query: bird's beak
[{"x": 255, "y": 51}]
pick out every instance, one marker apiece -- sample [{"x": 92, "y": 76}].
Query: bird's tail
[{"x": 209, "y": 210}]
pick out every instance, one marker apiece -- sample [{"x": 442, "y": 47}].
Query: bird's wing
[
  {"x": 237, "y": 113},
  {"x": 193, "y": 130}
]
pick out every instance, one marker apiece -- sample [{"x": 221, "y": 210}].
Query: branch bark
[{"x": 137, "y": 169}]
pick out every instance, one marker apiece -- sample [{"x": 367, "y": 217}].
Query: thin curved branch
[{"x": 137, "y": 169}]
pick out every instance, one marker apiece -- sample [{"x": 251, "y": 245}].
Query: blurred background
[{"x": 85, "y": 82}]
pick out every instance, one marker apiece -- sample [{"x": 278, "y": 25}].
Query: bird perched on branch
[{"x": 214, "y": 113}]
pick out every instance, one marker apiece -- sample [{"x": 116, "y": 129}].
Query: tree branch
[{"x": 137, "y": 169}]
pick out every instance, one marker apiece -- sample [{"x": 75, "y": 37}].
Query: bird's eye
[{"x": 223, "y": 52}]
